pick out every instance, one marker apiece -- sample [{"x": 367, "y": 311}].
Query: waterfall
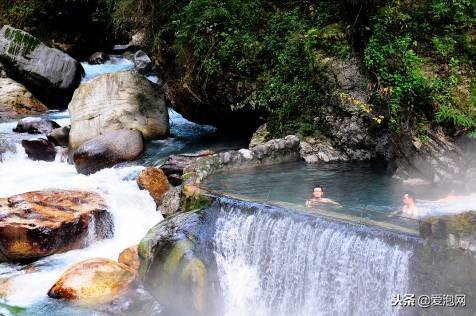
[{"x": 278, "y": 264}]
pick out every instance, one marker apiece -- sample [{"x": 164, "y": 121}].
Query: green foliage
[
  {"x": 256, "y": 43},
  {"x": 270, "y": 54},
  {"x": 406, "y": 44}
]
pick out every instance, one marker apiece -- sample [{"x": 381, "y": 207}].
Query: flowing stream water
[
  {"x": 133, "y": 210},
  {"x": 263, "y": 260}
]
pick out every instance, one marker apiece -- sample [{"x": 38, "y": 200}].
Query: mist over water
[
  {"x": 276, "y": 264},
  {"x": 263, "y": 261},
  {"x": 362, "y": 189}
]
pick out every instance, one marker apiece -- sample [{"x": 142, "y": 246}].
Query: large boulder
[
  {"x": 93, "y": 282},
  {"x": 155, "y": 181},
  {"x": 40, "y": 223},
  {"x": 16, "y": 100},
  {"x": 51, "y": 75},
  {"x": 170, "y": 268},
  {"x": 122, "y": 100},
  {"x": 39, "y": 149},
  {"x": 107, "y": 150},
  {"x": 350, "y": 126},
  {"x": 35, "y": 125}
]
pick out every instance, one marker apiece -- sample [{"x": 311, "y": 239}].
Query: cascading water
[
  {"x": 271, "y": 263},
  {"x": 133, "y": 213},
  {"x": 133, "y": 210}
]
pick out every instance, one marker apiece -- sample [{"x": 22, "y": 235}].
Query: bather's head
[
  {"x": 409, "y": 198},
  {"x": 318, "y": 192}
]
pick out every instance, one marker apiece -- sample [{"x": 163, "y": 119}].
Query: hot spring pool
[{"x": 363, "y": 189}]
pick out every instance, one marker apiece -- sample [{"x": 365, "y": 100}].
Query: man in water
[
  {"x": 409, "y": 206},
  {"x": 318, "y": 198}
]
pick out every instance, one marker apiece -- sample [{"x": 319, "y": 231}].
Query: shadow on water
[{"x": 188, "y": 137}]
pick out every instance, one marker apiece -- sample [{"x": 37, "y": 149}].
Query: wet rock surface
[
  {"x": 142, "y": 62},
  {"x": 39, "y": 149},
  {"x": 114, "y": 101},
  {"x": 16, "y": 100},
  {"x": 48, "y": 73},
  {"x": 155, "y": 181},
  {"x": 136, "y": 301},
  {"x": 35, "y": 125},
  {"x": 93, "y": 282},
  {"x": 98, "y": 58},
  {"x": 130, "y": 257},
  {"x": 40, "y": 223},
  {"x": 107, "y": 150},
  {"x": 457, "y": 231},
  {"x": 59, "y": 136},
  {"x": 170, "y": 269}
]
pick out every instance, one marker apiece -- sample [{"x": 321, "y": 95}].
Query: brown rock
[
  {"x": 130, "y": 258},
  {"x": 155, "y": 181},
  {"x": 16, "y": 100},
  {"x": 39, "y": 149},
  {"x": 94, "y": 281},
  {"x": 37, "y": 224}
]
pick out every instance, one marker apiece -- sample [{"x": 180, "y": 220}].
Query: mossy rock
[
  {"x": 193, "y": 198},
  {"x": 170, "y": 268},
  {"x": 440, "y": 227},
  {"x": 21, "y": 43},
  {"x": 334, "y": 40},
  {"x": 25, "y": 58}
]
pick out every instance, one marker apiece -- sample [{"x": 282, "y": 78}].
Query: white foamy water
[
  {"x": 133, "y": 212},
  {"x": 115, "y": 64},
  {"x": 275, "y": 265}
]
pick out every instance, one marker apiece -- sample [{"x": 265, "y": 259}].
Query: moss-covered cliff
[
  {"x": 405, "y": 65},
  {"x": 272, "y": 58}
]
